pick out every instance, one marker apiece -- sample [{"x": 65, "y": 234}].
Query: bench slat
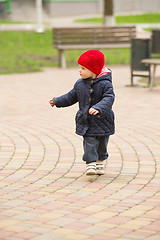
[
  {"x": 83, "y": 29},
  {"x": 95, "y": 46},
  {"x": 117, "y": 37},
  {"x": 92, "y": 39},
  {"x": 91, "y": 42}
]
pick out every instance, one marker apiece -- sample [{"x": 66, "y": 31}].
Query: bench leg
[
  {"x": 61, "y": 59},
  {"x": 153, "y": 77},
  {"x": 132, "y": 79}
]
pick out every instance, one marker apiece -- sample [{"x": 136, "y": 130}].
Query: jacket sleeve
[
  {"x": 107, "y": 101},
  {"x": 67, "y": 99}
]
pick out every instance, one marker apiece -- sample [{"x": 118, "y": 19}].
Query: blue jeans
[{"x": 95, "y": 148}]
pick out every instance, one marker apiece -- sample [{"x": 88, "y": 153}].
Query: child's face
[{"x": 85, "y": 73}]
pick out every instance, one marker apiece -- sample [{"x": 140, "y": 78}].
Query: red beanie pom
[{"x": 93, "y": 60}]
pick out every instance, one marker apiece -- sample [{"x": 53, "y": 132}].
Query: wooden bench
[{"x": 91, "y": 38}]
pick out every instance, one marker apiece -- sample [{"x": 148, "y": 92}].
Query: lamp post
[{"x": 39, "y": 9}]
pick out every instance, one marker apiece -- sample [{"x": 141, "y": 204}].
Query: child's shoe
[
  {"x": 100, "y": 167},
  {"x": 91, "y": 168}
]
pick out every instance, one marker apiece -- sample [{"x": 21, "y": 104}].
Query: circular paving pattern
[{"x": 44, "y": 191}]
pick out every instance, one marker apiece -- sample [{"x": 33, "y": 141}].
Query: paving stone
[
  {"x": 62, "y": 221},
  {"x": 5, "y": 234},
  {"x": 93, "y": 230},
  {"x": 25, "y": 235}
]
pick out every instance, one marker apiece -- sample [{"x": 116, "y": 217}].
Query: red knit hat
[{"x": 93, "y": 60}]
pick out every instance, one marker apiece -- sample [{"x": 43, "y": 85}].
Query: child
[{"x": 95, "y": 118}]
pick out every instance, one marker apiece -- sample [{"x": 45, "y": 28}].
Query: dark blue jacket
[{"x": 97, "y": 93}]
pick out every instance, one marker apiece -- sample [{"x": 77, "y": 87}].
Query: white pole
[{"x": 39, "y": 9}]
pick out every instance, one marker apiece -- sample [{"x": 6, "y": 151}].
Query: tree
[{"x": 108, "y": 14}]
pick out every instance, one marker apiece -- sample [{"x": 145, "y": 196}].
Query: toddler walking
[{"x": 95, "y": 118}]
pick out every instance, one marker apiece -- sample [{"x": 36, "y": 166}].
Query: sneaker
[
  {"x": 100, "y": 167},
  {"x": 91, "y": 168}
]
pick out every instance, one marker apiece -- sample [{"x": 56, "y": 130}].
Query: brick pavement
[{"x": 44, "y": 193}]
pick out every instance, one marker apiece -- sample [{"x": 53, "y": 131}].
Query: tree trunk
[{"x": 108, "y": 17}]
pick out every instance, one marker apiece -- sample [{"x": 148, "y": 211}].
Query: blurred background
[
  {"x": 23, "y": 50},
  {"x": 25, "y": 10}
]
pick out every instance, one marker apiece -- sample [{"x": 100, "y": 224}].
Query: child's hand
[
  {"x": 51, "y": 103},
  {"x": 93, "y": 111}
]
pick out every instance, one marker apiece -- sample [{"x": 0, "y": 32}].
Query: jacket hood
[{"x": 106, "y": 73}]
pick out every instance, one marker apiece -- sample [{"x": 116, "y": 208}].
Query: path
[{"x": 44, "y": 193}]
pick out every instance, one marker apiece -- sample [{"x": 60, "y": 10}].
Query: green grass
[
  {"x": 141, "y": 18},
  {"x": 23, "y": 52},
  {"x": 2, "y": 21},
  {"x": 98, "y": 20},
  {"x": 112, "y": 56}
]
